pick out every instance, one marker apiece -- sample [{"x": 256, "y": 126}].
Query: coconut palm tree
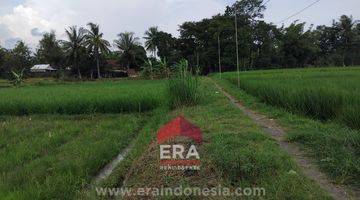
[
  {"x": 74, "y": 45},
  {"x": 96, "y": 44},
  {"x": 127, "y": 43},
  {"x": 151, "y": 37}
]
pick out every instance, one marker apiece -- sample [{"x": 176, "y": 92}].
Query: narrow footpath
[{"x": 306, "y": 164}]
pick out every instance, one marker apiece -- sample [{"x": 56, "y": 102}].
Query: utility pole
[
  {"x": 197, "y": 58},
  {"x": 237, "y": 51},
  {"x": 219, "y": 52}
]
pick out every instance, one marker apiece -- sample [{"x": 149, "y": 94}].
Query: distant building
[
  {"x": 113, "y": 69},
  {"x": 42, "y": 68}
]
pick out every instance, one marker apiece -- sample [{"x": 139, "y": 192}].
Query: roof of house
[{"x": 42, "y": 67}]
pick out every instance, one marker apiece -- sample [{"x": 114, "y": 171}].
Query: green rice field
[
  {"x": 53, "y": 157},
  {"x": 82, "y": 98},
  {"x": 55, "y": 137},
  {"x": 320, "y": 93}
]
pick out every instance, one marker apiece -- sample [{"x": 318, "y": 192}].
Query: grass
[
  {"x": 140, "y": 144},
  {"x": 235, "y": 153},
  {"x": 82, "y": 98},
  {"x": 53, "y": 157},
  {"x": 334, "y": 146},
  {"x": 320, "y": 93},
  {"x": 183, "y": 88}
]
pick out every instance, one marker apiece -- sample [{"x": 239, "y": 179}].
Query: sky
[{"x": 27, "y": 20}]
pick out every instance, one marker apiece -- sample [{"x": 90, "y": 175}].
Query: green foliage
[
  {"x": 17, "y": 78},
  {"x": 96, "y": 44},
  {"x": 183, "y": 88},
  {"x": 161, "y": 44},
  {"x": 156, "y": 69},
  {"x": 165, "y": 70},
  {"x": 74, "y": 47},
  {"x": 263, "y": 45},
  {"x": 151, "y": 37},
  {"x": 149, "y": 69},
  {"x": 16, "y": 59},
  {"x": 50, "y": 51},
  {"x": 130, "y": 49}
]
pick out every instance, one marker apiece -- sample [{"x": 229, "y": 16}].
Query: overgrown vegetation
[
  {"x": 325, "y": 94},
  {"x": 183, "y": 88},
  {"x": 334, "y": 146},
  {"x": 152, "y": 69},
  {"x": 83, "y": 98}
]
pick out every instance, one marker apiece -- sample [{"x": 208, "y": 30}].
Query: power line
[{"x": 297, "y": 13}]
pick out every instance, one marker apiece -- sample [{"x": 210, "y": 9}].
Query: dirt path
[{"x": 306, "y": 164}]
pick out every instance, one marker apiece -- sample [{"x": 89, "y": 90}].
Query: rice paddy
[
  {"x": 320, "y": 93},
  {"x": 53, "y": 157},
  {"x": 82, "y": 98},
  {"x": 55, "y": 137}
]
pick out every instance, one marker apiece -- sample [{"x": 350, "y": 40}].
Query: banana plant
[{"x": 18, "y": 77}]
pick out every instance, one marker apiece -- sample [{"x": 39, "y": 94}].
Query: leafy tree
[
  {"x": 246, "y": 9},
  {"x": 3, "y": 55},
  {"x": 17, "y": 59},
  {"x": 166, "y": 46},
  {"x": 49, "y": 50},
  {"x": 265, "y": 45},
  {"x": 74, "y": 46},
  {"x": 298, "y": 46},
  {"x": 346, "y": 36},
  {"x": 129, "y": 47},
  {"x": 96, "y": 44}
]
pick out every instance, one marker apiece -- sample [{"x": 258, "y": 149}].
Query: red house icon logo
[{"x": 179, "y": 127}]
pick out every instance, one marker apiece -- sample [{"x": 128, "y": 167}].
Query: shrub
[{"x": 183, "y": 88}]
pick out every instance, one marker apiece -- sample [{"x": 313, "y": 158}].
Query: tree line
[{"x": 208, "y": 44}]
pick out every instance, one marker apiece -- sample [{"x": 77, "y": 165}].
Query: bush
[{"x": 183, "y": 88}]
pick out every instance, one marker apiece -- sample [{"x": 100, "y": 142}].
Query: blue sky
[{"x": 27, "y": 19}]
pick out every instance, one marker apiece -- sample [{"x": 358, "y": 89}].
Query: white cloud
[
  {"x": 114, "y": 16},
  {"x": 21, "y": 21}
]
